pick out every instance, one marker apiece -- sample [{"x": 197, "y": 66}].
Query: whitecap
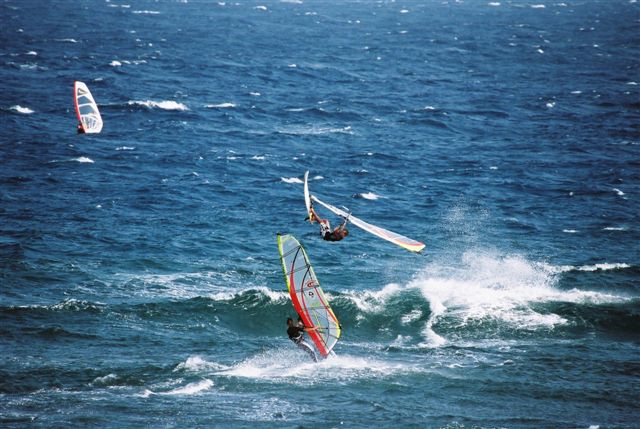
[
  {"x": 618, "y": 192},
  {"x": 165, "y": 105},
  {"x": 538, "y": 6},
  {"x": 540, "y": 51},
  {"x": 115, "y": 63},
  {"x": 569, "y": 231},
  {"x": 220, "y": 106},
  {"x": 260, "y": 7},
  {"x": 105, "y": 380},
  {"x": 21, "y": 109},
  {"x": 83, "y": 159},
  {"x": 576, "y": 92},
  {"x": 146, "y": 12},
  {"x": 494, "y": 3},
  {"x": 258, "y": 157},
  {"x": 67, "y": 40},
  {"x": 603, "y": 267},
  {"x": 125, "y": 148},
  {"x": 34, "y": 53},
  {"x": 404, "y": 11},
  {"x": 196, "y": 364},
  {"x": 255, "y": 94},
  {"x": 614, "y": 228},
  {"x": 370, "y": 196},
  {"x": 551, "y": 104},
  {"x": 291, "y": 180}
]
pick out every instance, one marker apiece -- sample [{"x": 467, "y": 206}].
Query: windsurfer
[
  {"x": 295, "y": 334},
  {"x": 80, "y": 128},
  {"x": 327, "y": 234}
]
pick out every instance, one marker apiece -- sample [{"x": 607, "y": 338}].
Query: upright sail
[
  {"x": 86, "y": 109},
  {"x": 395, "y": 238},
  {"x": 307, "y": 296}
]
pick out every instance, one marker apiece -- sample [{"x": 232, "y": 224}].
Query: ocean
[{"x": 140, "y": 280}]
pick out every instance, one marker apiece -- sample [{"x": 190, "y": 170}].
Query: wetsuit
[{"x": 295, "y": 335}]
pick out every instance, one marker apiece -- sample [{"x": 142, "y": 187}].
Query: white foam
[
  {"x": 197, "y": 364},
  {"x": 404, "y": 11},
  {"x": 105, "y": 380},
  {"x": 67, "y": 40},
  {"x": 125, "y": 148},
  {"x": 370, "y": 196},
  {"x": 220, "y": 106},
  {"x": 618, "y": 191},
  {"x": 291, "y": 180},
  {"x": 146, "y": 12},
  {"x": 314, "y": 130},
  {"x": 569, "y": 231},
  {"x": 576, "y": 92},
  {"x": 115, "y": 63},
  {"x": 485, "y": 286},
  {"x": 165, "y": 105},
  {"x": 614, "y": 228},
  {"x": 188, "y": 390},
  {"x": 83, "y": 159},
  {"x": 603, "y": 267},
  {"x": 494, "y": 3},
  {"x": 551, "y": 104},
  {"x": 21, "y": 109},
  {"x": 538, "y": 6},
  {"x": 255, "y": 94},
  {"x": 412, "y": 316},
  {"x": 260, "y": 7},
  {"x": 291, "y": 363},
  {"x": 34, "y": 53}
]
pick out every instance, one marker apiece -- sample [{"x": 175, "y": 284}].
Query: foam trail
[{"x": 290, "y": 363}]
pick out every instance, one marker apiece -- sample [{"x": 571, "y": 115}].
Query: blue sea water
[{"x": 140, "y": 284}]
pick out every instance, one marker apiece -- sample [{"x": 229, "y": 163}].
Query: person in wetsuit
[
  {"x": 295, "y": 332},
  {"x": 80, "y": 129},
  {"x": 327, "y": 234}
]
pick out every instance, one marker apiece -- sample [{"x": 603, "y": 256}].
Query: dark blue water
[{"x": 140, "y": 284}]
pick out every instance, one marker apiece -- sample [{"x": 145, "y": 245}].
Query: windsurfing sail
[
  {"x": 306, "y": 295},
  {"x": 395, "y": 238},
  {"x": 86, "y": 109}
]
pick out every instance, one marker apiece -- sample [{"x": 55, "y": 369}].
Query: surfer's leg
[{"x": 307, "y": 348}]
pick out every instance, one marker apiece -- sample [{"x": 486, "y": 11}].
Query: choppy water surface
[{"x": 140, "y": 284}]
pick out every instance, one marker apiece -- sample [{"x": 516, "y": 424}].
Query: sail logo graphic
[{"x": 310, "y": 284}]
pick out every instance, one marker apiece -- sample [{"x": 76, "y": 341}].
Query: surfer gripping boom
[
  {"x": 295, "y": 335},
  {"x": 337, "y": 234}
]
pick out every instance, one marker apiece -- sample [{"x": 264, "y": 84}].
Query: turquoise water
[{"x": 140, "y": 284}]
